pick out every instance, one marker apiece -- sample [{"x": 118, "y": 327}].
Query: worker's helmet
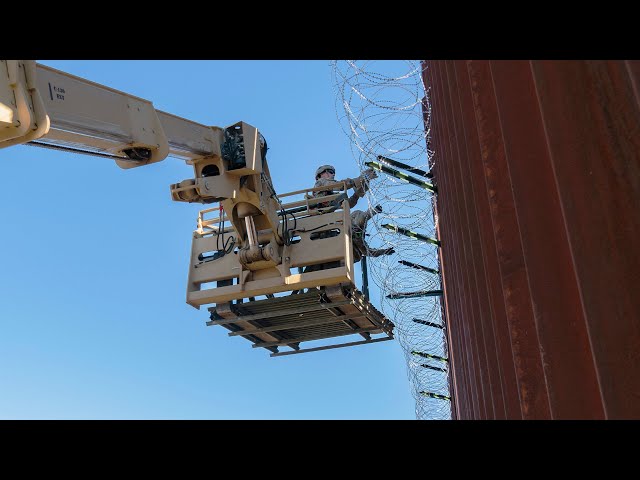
[{"x": 323, "y": 168}]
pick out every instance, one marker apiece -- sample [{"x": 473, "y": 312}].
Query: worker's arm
[{"x": 360, "y": 185}]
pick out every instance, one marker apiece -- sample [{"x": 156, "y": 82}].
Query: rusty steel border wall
[{"x": 537, "y": 165}]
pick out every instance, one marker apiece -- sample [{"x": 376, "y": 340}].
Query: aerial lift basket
[{"x": 274, "y": 308}]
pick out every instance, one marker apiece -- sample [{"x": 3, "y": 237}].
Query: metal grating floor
[{"x": 319, "y": 314}]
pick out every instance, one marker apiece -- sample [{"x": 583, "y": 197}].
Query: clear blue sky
[{"x": 93, "y": 319}]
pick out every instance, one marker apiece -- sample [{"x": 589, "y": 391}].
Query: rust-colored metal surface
[{"x": 538, "y": 171}]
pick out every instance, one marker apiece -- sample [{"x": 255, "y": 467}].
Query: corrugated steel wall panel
[{"x": 538, "y": 171}]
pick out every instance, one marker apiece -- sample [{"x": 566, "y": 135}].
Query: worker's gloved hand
[
  {"x": 369, "y": 174},
  {"x": 362, "y": 182}
]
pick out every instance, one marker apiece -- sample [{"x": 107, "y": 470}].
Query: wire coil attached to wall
[{"x": 384, "y": 109}]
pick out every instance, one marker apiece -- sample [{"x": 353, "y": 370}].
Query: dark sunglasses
[{"x": 333, "y": 172}]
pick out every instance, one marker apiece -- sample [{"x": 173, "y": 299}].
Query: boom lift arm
[
  {"x": 46, "y": 107},
  {"x": 265, "y": 238}
]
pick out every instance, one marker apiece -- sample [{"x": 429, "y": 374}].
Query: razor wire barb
[{"x": 384, "y": 109}]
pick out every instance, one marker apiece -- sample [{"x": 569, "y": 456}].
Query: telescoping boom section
[{"x": 278, "y": 274}]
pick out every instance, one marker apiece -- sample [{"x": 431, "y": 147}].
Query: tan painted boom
[{"x": 251, "y": 247}]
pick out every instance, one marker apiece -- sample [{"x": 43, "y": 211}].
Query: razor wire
[{"x": 384, "y": 109}]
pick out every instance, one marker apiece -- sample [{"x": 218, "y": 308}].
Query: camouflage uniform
[
  {"x": 321, "y": 182},
  {"x": 359, "y": 218},
  {"x": 359, "y": 221}
]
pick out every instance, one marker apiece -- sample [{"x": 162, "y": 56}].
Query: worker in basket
[{"x": 325, "y": 175}]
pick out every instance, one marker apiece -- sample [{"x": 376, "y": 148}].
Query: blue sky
[{"x": 93, "y": 319}]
